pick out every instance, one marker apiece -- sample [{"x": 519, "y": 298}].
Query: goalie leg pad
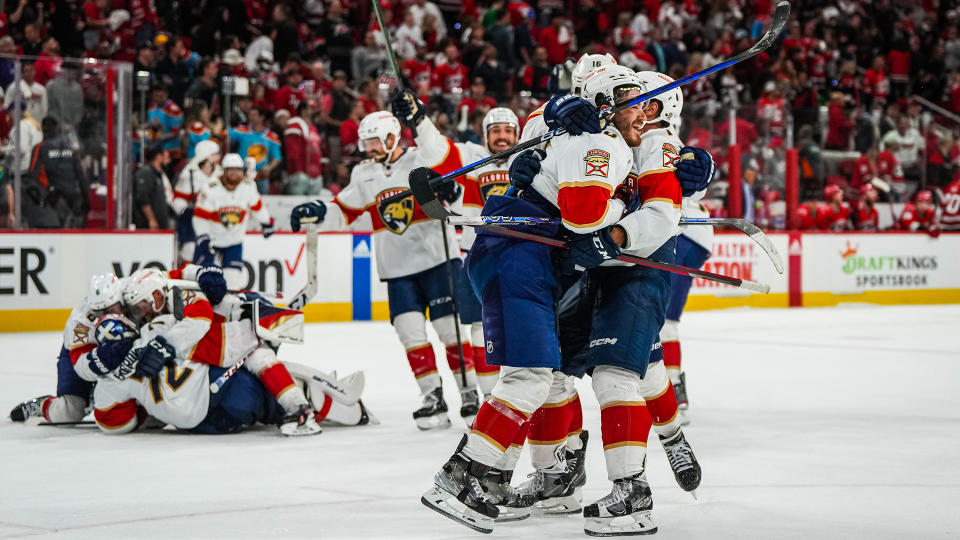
[
  {"x": 275, "y": 377},
  {"x": 624, "y": 420}
]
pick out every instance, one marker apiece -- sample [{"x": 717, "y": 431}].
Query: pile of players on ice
[
  {"x": 175, "y": 348},
  {"x": 538, "y": 315}
]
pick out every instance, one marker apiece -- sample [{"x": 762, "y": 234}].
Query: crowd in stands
[{"x": 863, "y": 90}]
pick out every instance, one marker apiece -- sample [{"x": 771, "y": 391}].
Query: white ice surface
[{"x": 812, "y": 423}]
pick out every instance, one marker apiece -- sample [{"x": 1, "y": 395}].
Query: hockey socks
[
  {"x": 670, "y": 341},
  {"x": 423, "y": 363},
  {"x": 453, "y": 360},
  {"x": 624, "y": 420}
]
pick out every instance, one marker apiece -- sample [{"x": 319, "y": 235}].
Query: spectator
[
  {"x": 637, "y": 58},
  {"x": 151, "y": 206},
  {"x": 32, "y": 44},
  {"x": 301, "y": 142},
  {"x": 146, "y": 60},
  {"x": 337, "y": 36},
  {"x": 95, "y": 13},
  {"x": 165, "y": 119},
  {"x": 31, "y": 92},
  {"x": 369, "y": 60},
  {"x": 29, "y": 135},
  {"x": 286, "y": 41},
  {"x": 257, "y": 141},
  {"x": 178, "y": 68},
  {"x": 839, "y": 125},
  {"x": 906, "y": 144},
  {"x": 473, "y": 129},
  {"x": 876, "y": 164},
  {"x": 204, "y": 87},
  {"x": 421, "y": 8},
  {"x": 199, "y": 126},
  {"x": 771, "y": 109},
  {"x": 292, "y": 94},
  {"x": 8, "y": 215},
  {"x": 56, "y": 167},
  {"x": 478, "y": 98},
  {"x": 64, "y": 96},
  {"x": 417, "y": 69},
  {"x": 409, "y": 38},
  {"x": 369, "y": 97},
  {"x": 263, "y": 43},
  {"x": 524, "y": 36},
  {"x": 450, "y": 76},
  {"x": 350, "y": 133},
  {"x": 536, "y": 77},
  {"x": 48, "y": 61},
  {"x": 501, "y": 35},
  {"x": 749, "y": 198},
  {"x": 876, "y": 84},
  {"x": 557, "y": 39},
  {"x": 335, "y": 106},
  {"x": 8, "y": 49},
  {"x": 493, "y": 73}
]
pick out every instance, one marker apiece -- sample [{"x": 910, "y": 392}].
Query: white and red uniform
[
  {"x": 833, "y": 220},
  {"x": 885, "y": 167},
  {"x": 867, "y": 217},
  {"x": 950, "y": 207},
  {"x": 223, "y": 213},
  {"x": 913, "y": 220},
  {"x": 534, "y": 127},
  {"x": 773, "y": 111}
]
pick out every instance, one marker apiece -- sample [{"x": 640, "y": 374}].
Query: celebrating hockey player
[
  {"x": 202, "y": 169},
  {"x": 500, "y": 127},
  {"x": 411, "y": 258},
  {"x": 221, "y": 216}
]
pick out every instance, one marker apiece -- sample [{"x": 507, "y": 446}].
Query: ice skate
[
  {"x": 685, "y": 467},
  {"x": 366, "y": 417},
  {"x": 300, "y": 423},
  {"x": 559, "y": 490},
  {"x": 680, "y": 390},
  {"x": 470, "y": 405},
  {"x": 433, "y": 413},
  {"x": 28, "y": 409},
  {"x": 623, "y": 512},
  {"x": 458, "y": 492}
]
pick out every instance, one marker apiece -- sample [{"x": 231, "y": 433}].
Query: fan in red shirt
[
  {"x": 950, "y": 207},
  {"x": 866, "y": 217},
  {"x": 806, "y": 216},
  {"x": 451, "y": 75},
  {"x": 876, "y": 83},
  {"x": 920, "y": 215},
  {"x": 416, "y": 70},
  {"x": 771, "y": 107},
  {"x": 556, "y": 38},
  {"x": 291, "y": 95},
  {"x": 876, "y": 164},
  {"x": 369, "y": 97},
  {"x": 478, "y": 98},
  {"x": 833, "y": 214}
]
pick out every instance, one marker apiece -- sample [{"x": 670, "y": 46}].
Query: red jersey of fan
[
  {"x": 886, "y": 167},
  {"x": 446, "y": 77},
  {"x": 912, "y": 220},
  {"x": 877, "y": 84},
  {"x": 866, "y": 217},
  {"x": 418, "y": 72},
  {"x": 950, "y": 206},
  {"x": 772, "y": 110},
  {"x": 484, "y": 104},
  {"x": 288, "y": 99},
  {"x": 805, "y": 219},
  {"x": 833, "y": 220}
]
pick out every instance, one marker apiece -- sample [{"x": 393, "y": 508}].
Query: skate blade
[
  {"x": 560, "y": 506},
  {"x": 695, "y": 493},
  {"x": 291, "y": 429},
  {"x": 437, "y": 421},
  {"x": 636, "y": 524},
  {"x": 446, "y": 504},
  {"x": 510, "y": 513}
]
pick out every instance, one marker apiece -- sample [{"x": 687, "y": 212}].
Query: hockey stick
[
  {"x": 80, "y": 423},
  {"x": 392, "y": 60},
  {"x": 427, "y": 199},
  {"x": 310, "y": 289},
  {"x": 216, "y": 385},
  {"x": 779, "y": 19}
]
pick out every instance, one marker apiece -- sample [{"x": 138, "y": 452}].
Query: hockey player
[
  {"x": 950, "y": 206},
  {"x": 220, "y": 218},
  {"x": 866, "y": 217},
  {"x": 202, "y": 335},
  {"x": 202, "y": 169},
  {"x": 80, "y": 353},
  {"x": 920, "y": 215},
  {"x": 500, "y": 127},
  {"x": 833, "y": 214},
  {"x": 411, "y": 258},
  {"x": 180, "y": 396}
]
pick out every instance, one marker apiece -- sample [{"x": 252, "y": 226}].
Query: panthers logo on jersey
[
  {"x": 493, "y": 183},
  {"x": 231, "y": 216},
  {"x": 258, "y": 152},
  {"x": 396, "y": 216}
]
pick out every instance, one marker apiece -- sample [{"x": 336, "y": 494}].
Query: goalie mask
[
  {"x": 671, "y": 102},
  {"x": 585, "y": 66},
  {"x": 379, "y": 125},
  {"x": 498, "y": 142}
]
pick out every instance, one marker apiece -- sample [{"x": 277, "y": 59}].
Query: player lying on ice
[{"x": 580, "y": 182}]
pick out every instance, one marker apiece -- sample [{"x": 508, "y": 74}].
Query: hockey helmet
[
  {"x": 604, "y": 85},
  {"x": 232, "y": 161},
  {"x": 379, "y": 125},
  {"x": 866, "y": 188},
  {"x": 139, "y": 293},
  {"x": 205, "y": 149},
  {"x": 925, "y": 196},
  {"x": 671, "y": 101},
  {"x": 105, "y": 291},
  {"x": 499, "y": 115},
  {"x": 831, "y": 191},
  {"x": 586, "y": 65}
]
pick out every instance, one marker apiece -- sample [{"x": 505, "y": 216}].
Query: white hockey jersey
[
  {"x": 189, "y": 183},
  {"x": 491, "y": 179},
  {"x": 579, "y": 175},
  {"x": 407, "y": 241},
  {"x": 223, "y": 213},
  {"x": 535, "y": 126},
  {"x": 79, "y": 339},
  {"x": 179, "y": 395}
]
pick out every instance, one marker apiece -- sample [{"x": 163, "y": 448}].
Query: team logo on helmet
[
  {"x": 231, "y": 216},
  {"x": 396, "y": 216},
  {"x": 493, "y": 183},
  {"x": 598, "y": 162}
]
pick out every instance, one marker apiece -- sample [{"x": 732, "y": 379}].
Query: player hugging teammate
[{"x": 615, "y": 188}]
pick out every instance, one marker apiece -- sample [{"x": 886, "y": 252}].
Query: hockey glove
[
  {"x": 524, "y": 167},
  {"x": 152, "y": 358},
  {"x": 627, "y": 194},
  {"x": 212, "y": 283},
  {"x": 107, "y": 356},
  {"x": 572, "y": 113},
  {"x": 203, "y": 253},
  {"x": 267, "y": 229},
  {"x": 407, "y": 108},
  {"x": 695, "y": 170},
  {"x": 311, "y": 212},
  {"x": 591, "y": 250}
]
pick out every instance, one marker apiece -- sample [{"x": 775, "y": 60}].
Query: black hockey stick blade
[
  {"x": 780, "y": 16},
  {"x": 423, "y": 193}
]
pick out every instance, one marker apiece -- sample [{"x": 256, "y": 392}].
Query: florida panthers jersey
[
  {"x": 189, "y": 183},
  {"x": 179, "y": 395},
  {"x": 223, "y": 213},
  {"x": 653, "y": 175},
  {"x": 491, "y": 179},
  {"x": 78, "y": 335},
  {"x": 407, "y": 241},
  {"x": 579, "y": 175},
  {"x": 535, "y": 126}
]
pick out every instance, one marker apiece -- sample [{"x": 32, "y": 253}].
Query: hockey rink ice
[{"x": 808, "y": 423}]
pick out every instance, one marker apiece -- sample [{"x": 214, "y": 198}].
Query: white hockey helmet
[
  {"x": 232, "y": 161},
  {"x": 379, "y": 125},
  {"x": 499, "y": 115},
  {"x": 205, "y": 149},
  {"x": 586, "y": 65},
  {"x": 140, "y": 287},
  {"x": 671, "y": 101},
  {"x": 105, "y": 291},
  {"x": 603, "y": 85}
]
